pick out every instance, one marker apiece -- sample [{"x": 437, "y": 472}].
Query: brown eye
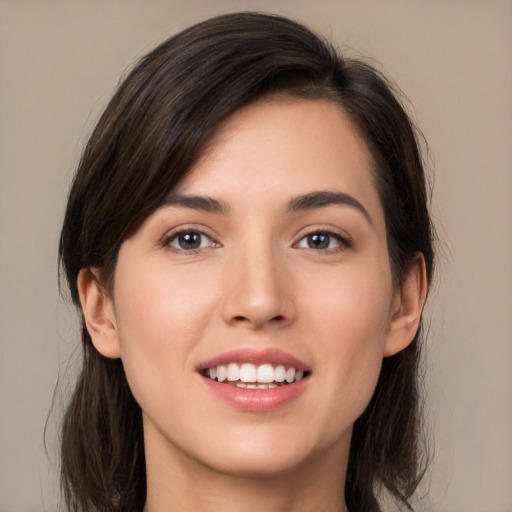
[
  {"x": 318, "y": 241},
  {"x": 190, "y": 241},
  {"x": 322, "y": 240}
]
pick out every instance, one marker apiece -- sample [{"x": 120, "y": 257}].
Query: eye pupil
[
  {"x": 189, "y": 240},
  {"x": 318, "y": 241}
]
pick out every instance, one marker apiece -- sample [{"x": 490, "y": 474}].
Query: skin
[{"x": 255, "y": 282}]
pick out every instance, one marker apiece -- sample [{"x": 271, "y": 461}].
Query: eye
[
  {"x": 189, "y": 240},
  {"x": 322, "y": 240}
]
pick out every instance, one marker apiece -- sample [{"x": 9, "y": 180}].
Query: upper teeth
[{"x": 247, "y": 372}]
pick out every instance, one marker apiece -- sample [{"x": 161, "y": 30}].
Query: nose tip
[{"x": 257, "y": 297}]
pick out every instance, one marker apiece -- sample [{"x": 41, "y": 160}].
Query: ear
[
  {"x": 406, "y": 307},
  {"x": 98, "y": 311}
]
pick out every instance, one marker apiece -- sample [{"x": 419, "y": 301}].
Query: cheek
[
  {"x": 353, "y": 304},
  {"x": 161, "y": 306},
  {"x": 160, "y": 319},
  {"x": 352, "y": 318}
]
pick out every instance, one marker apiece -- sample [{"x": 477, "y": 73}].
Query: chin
[
  {"x": 260, "y": 465},
  {"x": 268, "y": 456}
]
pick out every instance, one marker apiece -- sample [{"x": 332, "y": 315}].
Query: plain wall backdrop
[{"x": 59, "y": 64}]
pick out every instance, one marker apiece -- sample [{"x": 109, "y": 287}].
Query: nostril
[{"x": 275, "y": 319}]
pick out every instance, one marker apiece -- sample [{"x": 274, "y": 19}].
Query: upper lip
[{"x": 274, "y": 356}]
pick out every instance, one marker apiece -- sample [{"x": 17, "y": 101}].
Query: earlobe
[
  {"x": 407, "y": 307},
  {"x": 98, "y": 311}
]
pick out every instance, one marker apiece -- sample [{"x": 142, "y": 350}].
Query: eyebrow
[
  {"x": 324, "y": 198},
  {"x": 202, "y": 203},
  {"x": 308, "y": 201}
]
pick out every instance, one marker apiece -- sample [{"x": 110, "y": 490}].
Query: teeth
[
  {"x": 250, "y": 376},
  {"x": 265, "y": 373},
  {"x": 255, "y": 386},
  {"x": 221, "y": 373},
  {"x": 279, "y": 373},
  {"x": 248, "y": 373},
  {"x": 233, "y": 372},
  {"x": 290, "y": 375}
]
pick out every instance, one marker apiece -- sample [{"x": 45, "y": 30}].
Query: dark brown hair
[{"x": 149, "y": 136}]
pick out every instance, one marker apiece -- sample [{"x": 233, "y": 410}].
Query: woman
[{"x": 248, "y": 240}]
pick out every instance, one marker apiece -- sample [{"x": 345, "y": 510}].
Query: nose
[{"x": 257, "y": 291}]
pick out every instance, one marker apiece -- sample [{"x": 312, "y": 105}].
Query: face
[{"x": 267, "y": 264}]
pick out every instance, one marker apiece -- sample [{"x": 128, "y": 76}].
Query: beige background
[{"x": 59, "y": 64}]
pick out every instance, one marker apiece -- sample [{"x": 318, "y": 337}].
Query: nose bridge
[{"x": 257, "y": 291}]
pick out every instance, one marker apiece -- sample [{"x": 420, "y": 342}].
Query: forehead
[{"x": 284, "y": 147}]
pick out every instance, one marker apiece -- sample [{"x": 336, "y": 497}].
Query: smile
[
  {"x": 255, "y": 380},
  {"x": 252, "y": 376}
]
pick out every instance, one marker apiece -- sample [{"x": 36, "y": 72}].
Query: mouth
[
  {"x": 252, "y": 376},
  {"x": 255, "y": 380}
]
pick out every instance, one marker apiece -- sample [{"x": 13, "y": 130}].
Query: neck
[{"x": 176, "y": 482}]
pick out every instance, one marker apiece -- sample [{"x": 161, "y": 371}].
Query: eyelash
[
  {"x": 342, "y": 242},
  {"x": 175, "y": 236}
]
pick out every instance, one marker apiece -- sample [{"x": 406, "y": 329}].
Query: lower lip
[{"x": 257, "y": 400}]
